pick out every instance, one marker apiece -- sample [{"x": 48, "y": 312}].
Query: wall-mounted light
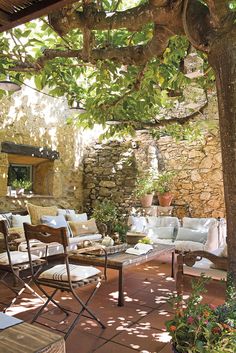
[{"x": 8, "y": 85}]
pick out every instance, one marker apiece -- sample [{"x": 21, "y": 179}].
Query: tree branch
[
  {"x": 196, "y": 23},
  {"x": 159, "y": 123},
  {"x": 219, "y": 10},
  {"x": 158, "y": 11},
  {"x": 135, "y": 55}
]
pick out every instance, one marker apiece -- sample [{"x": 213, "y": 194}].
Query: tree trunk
[{"x": 222, "y": 57}]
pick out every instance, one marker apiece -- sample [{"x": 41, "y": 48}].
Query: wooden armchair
[{"x": 190, "y": 259}]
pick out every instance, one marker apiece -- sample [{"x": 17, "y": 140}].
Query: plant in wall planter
[
  {"x": 144, "y": 190},
  {"x": 21, "y": 185},
  {"x": 162, "y": 185}
]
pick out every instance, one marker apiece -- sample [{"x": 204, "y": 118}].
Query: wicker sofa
[{"x": 190, "y": 234}]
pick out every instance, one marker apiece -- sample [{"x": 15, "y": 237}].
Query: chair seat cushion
[
  {"x": 17, "y": 257},
  {"x": 77, "y": 273}
]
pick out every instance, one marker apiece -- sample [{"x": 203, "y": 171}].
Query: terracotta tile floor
[{"x": 139, "y": 326}]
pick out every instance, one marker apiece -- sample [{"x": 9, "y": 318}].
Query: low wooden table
[
  {"x": 120, "y": 261},
  {"x": 27, "y": 338}
]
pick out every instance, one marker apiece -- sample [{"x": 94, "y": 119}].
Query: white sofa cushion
[
  {"x": 39, "y": 248},
  {"x": 137, "y": 224},
  {"x": 161, "y": 232},
  {"x": 162, "y": 221},
  {"x": 187, "y": 234},
  {"x": 188, "y": 245},
  {"x": 18, "y": 220},
  {"x": 17, "y": 257},
  {"x": 77, "y": 273},
  {"x": 162, "y": 241}
]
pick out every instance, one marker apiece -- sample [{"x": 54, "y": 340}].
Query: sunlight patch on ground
[{"x": 24, "y": 305}]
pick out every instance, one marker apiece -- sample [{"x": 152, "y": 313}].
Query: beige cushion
[
  {"x": 36, "y": 212},
  {"x": 77, "y": 273},
  {"x": 17, "y": 257},
  {"x": 18, "y": 230},
  {"x": 82, "y": 228}
]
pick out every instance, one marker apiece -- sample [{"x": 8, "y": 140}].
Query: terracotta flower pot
[
  {"x": 165, "y": 199},
  {"x": 146, "y": 200}
]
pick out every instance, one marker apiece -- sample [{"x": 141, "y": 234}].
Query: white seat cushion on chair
[
  {"x": 77, "y": 273},
  {"x": 17, "y": 257}
]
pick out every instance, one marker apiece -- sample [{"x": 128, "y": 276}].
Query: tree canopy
[{"x": 119, "y": 60}]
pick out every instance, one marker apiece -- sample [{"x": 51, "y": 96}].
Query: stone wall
[
  {"x": 111, "y": 170},
  {"x": 88, "y": 171},
  {"x": 31, "y": 118}
]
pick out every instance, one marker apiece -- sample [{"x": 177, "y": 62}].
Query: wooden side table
[{"x": 28, "y": 338}]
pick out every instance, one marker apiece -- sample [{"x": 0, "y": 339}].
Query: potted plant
[
  {"x": 203, "y": 328},
  {"x": 21, "y": 185},
  {"x": 106, "y": 212},
  {"x": 162, "y": 185},
  {"x": 144, "y": 189}
]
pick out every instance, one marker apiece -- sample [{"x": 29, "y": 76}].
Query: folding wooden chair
[
  {"x": 63, "y": 277},
  {"x": 12, "y": 263}
]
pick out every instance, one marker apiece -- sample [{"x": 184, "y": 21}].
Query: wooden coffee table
[{"x": 120, "y": 261}]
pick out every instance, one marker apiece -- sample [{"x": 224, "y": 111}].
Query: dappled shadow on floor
[{"x": 138, "y": 326}]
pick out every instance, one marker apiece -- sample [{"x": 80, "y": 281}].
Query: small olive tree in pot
[
  {"x": 163, "y": 185},
  {"x": 144, "y": 189}
]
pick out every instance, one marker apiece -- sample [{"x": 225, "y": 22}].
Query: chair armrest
[{"x": 191, "y": 258}]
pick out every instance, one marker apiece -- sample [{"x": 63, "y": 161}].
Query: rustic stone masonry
[
  {"x": 111, "y": 169},
  {"x": 31, "y": 118}
]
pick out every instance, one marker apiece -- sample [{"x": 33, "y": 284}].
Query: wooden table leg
[
  {"x": 172, "y": 264},
  {"x": 121, "y": 288}
]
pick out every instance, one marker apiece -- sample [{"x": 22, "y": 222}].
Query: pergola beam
[{"x": 30, "y": 12}]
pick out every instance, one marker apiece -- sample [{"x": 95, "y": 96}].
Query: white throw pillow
[
  {"x": 186, "y": 234},
  {"x": 65, "y": 212},
  {"x": 80, "y": 217},
  {"x": 138, "y": 224},
  {"x": 17, "y": 257},
  {"x": 18, "y": 220},
  {"x": 77, "y": 273},
  {"x": 202, "y": 224},
  {"x": 56, "y": 222}
]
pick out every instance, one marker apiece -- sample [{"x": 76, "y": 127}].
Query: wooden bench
[{"x": 195, "y": 258}]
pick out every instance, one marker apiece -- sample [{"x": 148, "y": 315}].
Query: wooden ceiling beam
[
  {"x": 33, "y": 11},
  {"x": 4, "y": 18}
]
